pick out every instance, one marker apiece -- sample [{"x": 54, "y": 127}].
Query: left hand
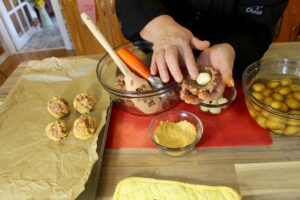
[
  {"x": 220, "y": 57},
  {"x": 171, "y": 41}
]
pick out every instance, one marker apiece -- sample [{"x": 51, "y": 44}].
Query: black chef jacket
[{"x": 248, "y": 25}]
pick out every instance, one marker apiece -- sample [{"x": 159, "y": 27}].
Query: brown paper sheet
[{"x": 31, "y": 165}]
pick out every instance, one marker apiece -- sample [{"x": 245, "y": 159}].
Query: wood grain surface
[{"x": 274, "y": 180}]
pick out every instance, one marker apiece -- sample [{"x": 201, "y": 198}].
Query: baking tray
[{"x": 91, "y": 186}]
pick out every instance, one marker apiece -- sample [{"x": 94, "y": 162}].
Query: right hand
[
  {"x": 221, "y": 58},
  {"x": 169, "y": 41}
]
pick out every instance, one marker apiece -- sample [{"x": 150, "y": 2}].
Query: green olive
[
  {"x": 286, "y": 81},
  {"x": 276, "y": 104},
  {"x": 291, "y": 130},
  {"x": 274, "y": 125},
  {"x": 261, "y": 121},
  {"x": 203, "y": 78},
  {"x": 292, "y": 103},
  {"x": 284, "y": 107},
  {"x": 273, "y": 84},
  {"x": 295, "y": 87},
  {"x": 277, "y": 96},
  {"x": 258, "y": 87},
  {"x": 284, "y": 90},
  {"x": 297, "y": 95},
  {"x": 258, "y": 96},
  {"x": 268, "y": 100},
  {"x": 267, "y": 92}
]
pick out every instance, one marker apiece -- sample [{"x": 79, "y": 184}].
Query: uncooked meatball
[
  {"x": 190, "y": 89},
  {"x": 58, "y": 107},
  {"x": 84, "y": 103},
  {"x": 57, "y": 130},
  {"x": 84, "y": 127}
]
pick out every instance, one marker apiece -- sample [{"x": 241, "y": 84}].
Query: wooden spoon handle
[{"x": 99, "y": 36}]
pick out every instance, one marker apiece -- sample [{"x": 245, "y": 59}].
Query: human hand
[
  {"x": 220, "y": 57},
  {"x": 171, "y": 40}
]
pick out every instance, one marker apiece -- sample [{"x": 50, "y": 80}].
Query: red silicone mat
[{"x": 234, "y": 127}]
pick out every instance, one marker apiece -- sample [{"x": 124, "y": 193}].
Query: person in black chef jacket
[{"x": 228, "y": 34}]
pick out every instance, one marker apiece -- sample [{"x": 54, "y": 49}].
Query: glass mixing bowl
[
  {"x": 219, "y": 106},
  {"x": 272, "y": 94},
  {"x": 107, "y": 73}
]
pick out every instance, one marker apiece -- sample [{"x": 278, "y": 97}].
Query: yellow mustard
[{"x": 175, "y": 135}]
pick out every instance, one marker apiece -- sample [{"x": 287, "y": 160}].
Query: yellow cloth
[{"x": 151, "y": 189}]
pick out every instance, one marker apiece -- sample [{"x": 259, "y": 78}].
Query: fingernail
[
  {"x": 229, "y": 82},
  {"x": 152, "y": 71},
  {"x": 178, "y": 78},
  {"x": 165, "y": 79},
  {"x": 194, "y": 76}
]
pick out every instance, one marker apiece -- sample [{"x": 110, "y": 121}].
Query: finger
[
  {"x": 224, "y": 66},
  {"x": 171, "y": 56},
  {"x": 162, "y": 66},
  {"x": 199, "y": 44},
  {"x": 220, "y": 88},
  {"x": 203, "y": 59},
  {"x": 189, "y": 59},
  {"x": 153, "y": 66},
  {"x": 226, "y": 72}
]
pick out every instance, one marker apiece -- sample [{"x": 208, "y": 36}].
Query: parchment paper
[{"x": 31, "y": 165}]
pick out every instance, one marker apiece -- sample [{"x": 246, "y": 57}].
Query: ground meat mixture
[
  {"x": 190, "y": 90},
  {"x": 58, "y": 107},
  {"x": 120, "y": 82},
  {"x": 84, "y": 103},
  {"x": 120, "y": 85}
]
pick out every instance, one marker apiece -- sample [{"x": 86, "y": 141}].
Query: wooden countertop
[{"x": 277, "y": 166}]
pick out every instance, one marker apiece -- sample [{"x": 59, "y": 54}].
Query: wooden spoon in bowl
[
  {"x": 148, "y": 105},
  {"x": 137, "y": 66}
]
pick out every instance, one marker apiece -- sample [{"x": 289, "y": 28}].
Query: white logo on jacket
[{"x": 257, "y": 10}]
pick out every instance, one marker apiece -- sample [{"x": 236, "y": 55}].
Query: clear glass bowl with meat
[
  {"x": 203, "y": 92},
  {"x": 220, "y": 105},
  {"x": 112, "y": 80}
]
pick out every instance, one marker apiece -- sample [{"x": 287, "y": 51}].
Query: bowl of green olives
[{"x": 272, "y": 94}]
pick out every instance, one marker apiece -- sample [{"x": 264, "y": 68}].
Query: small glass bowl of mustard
[{"x": 176, "y": 132}]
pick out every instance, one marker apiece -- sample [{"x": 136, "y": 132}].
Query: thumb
[
  {"x": 226, "y": 73},
  {"x": 224, "y": 66},
  {"x": 199, "y": 44}
]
